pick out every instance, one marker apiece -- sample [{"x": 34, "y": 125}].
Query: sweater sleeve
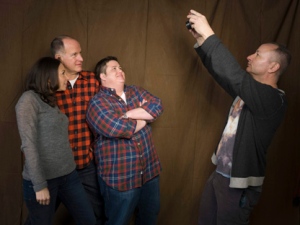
[{"x": 27, "y": 119}]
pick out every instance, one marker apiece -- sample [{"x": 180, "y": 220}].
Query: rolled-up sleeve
[{"x": 153, "y": 105}]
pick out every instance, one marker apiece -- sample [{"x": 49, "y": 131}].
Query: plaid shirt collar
[
  {"x": 109, "y": 91},
  {"x": 81, "y": 76}
]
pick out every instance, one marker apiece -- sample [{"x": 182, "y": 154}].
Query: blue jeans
[
  {"x": 70, "y": 191},
  {"x": 120, "y": 205}
]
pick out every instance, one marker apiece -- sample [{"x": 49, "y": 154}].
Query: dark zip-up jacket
[{"x": 261, "y": 115}]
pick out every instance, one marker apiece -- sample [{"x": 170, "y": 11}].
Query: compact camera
[{"x": 188, "y": 25}]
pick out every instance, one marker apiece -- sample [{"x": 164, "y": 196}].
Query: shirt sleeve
[
  {"x": 153, "y": 105},
  {"x": 105, "y": 121}
]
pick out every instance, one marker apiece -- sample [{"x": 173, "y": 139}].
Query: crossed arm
[
  {"x": 140, "y": 115},
  {"x": 106, "y": 115}
]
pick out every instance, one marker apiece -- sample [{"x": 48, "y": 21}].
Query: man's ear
[
  {"x": 275, "y": 66},
  {"x": 102, "y": 76},
  {"x": 57, "y": 56}
]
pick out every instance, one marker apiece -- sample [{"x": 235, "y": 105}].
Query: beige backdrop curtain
[{"x": 156, "y": 51}]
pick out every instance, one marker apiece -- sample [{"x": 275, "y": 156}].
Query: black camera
[{"x": 188, "y": 25}]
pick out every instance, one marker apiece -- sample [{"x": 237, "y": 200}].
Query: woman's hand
[{"x": 43, "y": 196}]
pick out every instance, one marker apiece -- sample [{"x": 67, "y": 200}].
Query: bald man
[{"x": 234, "y": 188}]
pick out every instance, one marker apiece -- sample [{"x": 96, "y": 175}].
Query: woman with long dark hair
[{"x": 49, "y": 168}]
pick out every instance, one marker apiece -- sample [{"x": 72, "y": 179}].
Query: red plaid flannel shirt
[{"x": 73, "y": 102}]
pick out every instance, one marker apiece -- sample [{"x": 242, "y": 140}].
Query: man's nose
[{"x": 79, "y": 57}]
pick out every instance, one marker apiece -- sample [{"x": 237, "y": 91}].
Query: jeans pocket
[
  {"x": 253, "y": 197},
  {"x": 249, "y": 198},
  {"x": 243, "y": 199}
]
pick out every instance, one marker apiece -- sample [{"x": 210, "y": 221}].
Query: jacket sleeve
[{"x": 263, "y": 100}]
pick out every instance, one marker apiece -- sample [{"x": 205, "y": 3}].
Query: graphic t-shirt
[{"x": 225, "y": 148}]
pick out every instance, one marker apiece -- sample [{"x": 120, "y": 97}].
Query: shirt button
[
  {"x": 75, "y": 148},
  {"x": 74, "y": 103},
  {"x": 76, "y": 132},
  {"x": 141, "y": 156},
  {"x": 139, "y": 144},
  {"x": 141, "y": 172}
]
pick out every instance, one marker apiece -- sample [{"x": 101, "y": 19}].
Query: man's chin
[{"x": 78, "y": 66}]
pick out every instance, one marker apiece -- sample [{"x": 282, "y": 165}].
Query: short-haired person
[
  {"x": 127, "y": 161},
  {"x": 258, "y": 109},
  {"x": 49, "y": 168},
  {"x": 82, "y": 86}
]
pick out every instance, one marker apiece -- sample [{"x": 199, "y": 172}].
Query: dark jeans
[
  {"x": 121, "y": 205},
  {"x": 69, "y": 190},
  {"x": 89, "y": 180},
  {"x": 222, "y": 205}
]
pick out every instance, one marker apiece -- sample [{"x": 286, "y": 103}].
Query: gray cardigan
[
  {"x": 261, "y": 115},
  {"x": 44, "y": 134}
]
